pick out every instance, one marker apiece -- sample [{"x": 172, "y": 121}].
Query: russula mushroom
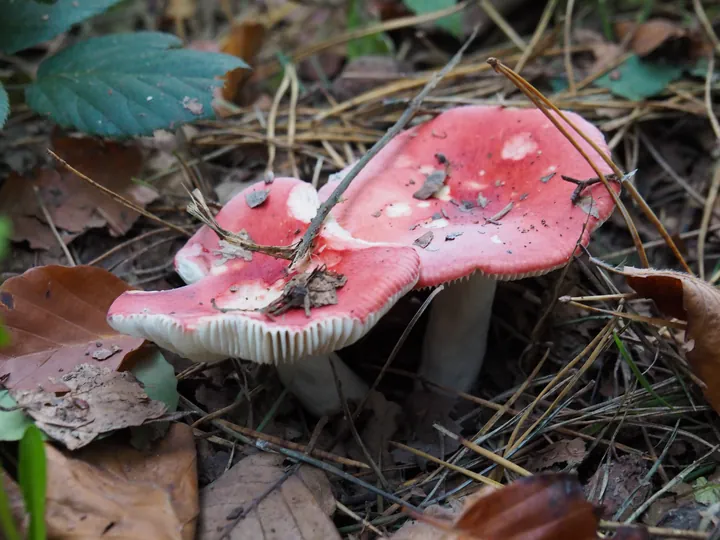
[
  {"x": 479, "y": 192},
  {"x": 255, "y": 307}
]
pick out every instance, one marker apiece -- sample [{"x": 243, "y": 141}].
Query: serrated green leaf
[
  {"x": 24, "y": 23},
  {"x": 637, "y": 79},
  {"x": 451, "y": 23},
  {"x": 32, "y": 476},
  {"x": 4, "y": 105},
  {"x": 158, "y": 378},
  {"x": 12, "y": 423},
  {"x": 128, "y": 84},
  {"x": 375, "y": 44}
]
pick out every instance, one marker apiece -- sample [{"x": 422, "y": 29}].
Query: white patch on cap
[
  {"x": 394, "y": 210},
  {"x": 482, "y": 173},
  {"x": 427, "y": 169},
  {"x": 551, "y": 168},
  {"x": 443, "y": 193},
  {"x": 253, "y": 295},
  {"x": 518, "y": 146},
  {"x": 436, "y": 224},
  {"x": 302, "y": 202},
  {"x": 404, "y": 161},
  {"x": 495, "y": 239},
  {"x": 423, "y": 204},
  {"x": 474, "y": 185}
]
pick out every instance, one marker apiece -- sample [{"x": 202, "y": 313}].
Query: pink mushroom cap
[
  {"x": 217, "y": 315},
  {"x": 496, "y": 156}
]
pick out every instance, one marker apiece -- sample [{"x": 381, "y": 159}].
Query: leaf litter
[{"x": 99, "y": 401}]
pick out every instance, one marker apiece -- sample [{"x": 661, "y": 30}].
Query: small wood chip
[
  {"x": 482, "y": 201},
  {"x": 424, "y": 240},
  {"x": 104, "y": 354},
  {"x": 257, "y": 197},
  {"x": 449, "y": 237},
  {"x": 546, "y": 179},
  {"x": 434, "y": 181}
]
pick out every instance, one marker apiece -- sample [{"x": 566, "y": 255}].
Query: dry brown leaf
[
  {"x": 73, "y": 204},
  {"x": 111, "y": 490},
  {"x": 56, "y": 319},
  {"x": 615, "y": 482},
  {"x": 542, "y": 507},
  {"x": 650, "y": 35},
  {"x": 99, "y": 401},
  {"x": 299, "y": 508},
  {"x": 570, "y": 451},
  {"x": 245, "y": 40},
  {"x": 697, "y": 302}
]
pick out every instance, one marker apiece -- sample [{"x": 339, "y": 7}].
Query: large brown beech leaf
[
  {"x": 697, "y": 302},
  {"x": 113, "y": 491},
  {"x": 56, "y": 319}
]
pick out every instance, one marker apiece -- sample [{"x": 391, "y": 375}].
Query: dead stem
[
  {"x": 470, "y": 474},
  {"x": 53, "y": 229},
  {"x": 325, "y": 208},
  {"x": 198, "y": 208}
]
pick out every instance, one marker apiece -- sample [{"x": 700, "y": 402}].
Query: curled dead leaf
[
  {"x": 542, "y": 507},
  {"x": 244, "y": 40},
  {"x": 99, "y": 401},
  {"x": 650, "y": 35},
  {"x": 697, "y": 302},
  {"x": 56, "y": 319}
]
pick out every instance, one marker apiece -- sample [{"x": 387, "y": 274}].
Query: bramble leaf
[
  {"x": 128, "y": 84},
  {"x": 24, "y": 23}
]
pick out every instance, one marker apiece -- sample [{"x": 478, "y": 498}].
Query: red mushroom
[
  {"x": 478, "y": 191},
  {"x": 256, "y": 307}
]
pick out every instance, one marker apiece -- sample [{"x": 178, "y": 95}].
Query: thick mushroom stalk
[
  {"x": 256, "y": 307},
  {"x": 477, "y": 191},
  {"x": 456, "y": 334},
  {"x": 313, "y": 384}
]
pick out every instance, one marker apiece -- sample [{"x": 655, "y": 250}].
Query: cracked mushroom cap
[
  {"x": 223, "y": 313},
  {"x": 501, "y": 207}
]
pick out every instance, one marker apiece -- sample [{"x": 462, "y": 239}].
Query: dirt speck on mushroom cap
[{"x": 496, "y": 155}]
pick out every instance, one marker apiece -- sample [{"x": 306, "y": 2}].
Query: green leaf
[
  {"x": 7, "y": 523},
  {"x": 158, "y": 378},
  {"x": 636, "y": 371},
  {"x": 13, "y": 424},
  {"x": 637, "y": 79},
  {"x": 4, "y": 105},
  {"x": 32, "y": 476},
  {"x": 451, "y": 23},
  {"x": 128, "y": 84},
  {"x": 375, "y": 44},
  {"x": 25, "y": 23},
  {"x": 705, "y": 492}
]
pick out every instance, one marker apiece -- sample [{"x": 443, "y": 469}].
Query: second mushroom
[{"x": 479, "y": 193}]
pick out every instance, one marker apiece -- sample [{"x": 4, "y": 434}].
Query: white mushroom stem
[
  {"x": 456, "y": 334},
  {"x": 311, "y": 381}
]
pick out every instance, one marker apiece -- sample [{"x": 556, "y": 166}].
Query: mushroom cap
[
  {"x": 218, "y": 315},
  {"x": 279, "y": 221},
  {"x": 496, "y": 156}
]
